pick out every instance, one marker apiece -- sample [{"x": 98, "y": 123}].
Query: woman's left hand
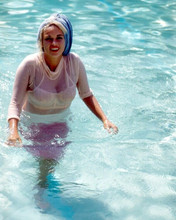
[{"x": 110, "y": 127}]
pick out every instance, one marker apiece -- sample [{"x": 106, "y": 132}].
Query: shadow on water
[
  {"x": 47, "y": 143},
  {"x": 50, "y": 197}
]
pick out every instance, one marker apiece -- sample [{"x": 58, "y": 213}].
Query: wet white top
[{"x": 39, "y": 90}]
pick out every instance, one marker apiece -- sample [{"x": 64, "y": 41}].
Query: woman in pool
[{"x": 46, "y": 82}]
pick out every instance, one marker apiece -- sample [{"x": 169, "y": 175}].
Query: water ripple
[{"x": 17, "y": 5}]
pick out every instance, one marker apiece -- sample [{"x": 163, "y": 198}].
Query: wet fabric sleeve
[
  {"x": 26, "y": 96},
  {"x": 82, "y": 84},
  {"x": 19, "y": 90}
]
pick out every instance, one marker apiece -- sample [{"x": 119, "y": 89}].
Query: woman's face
[{"x": 53, "y": 41}]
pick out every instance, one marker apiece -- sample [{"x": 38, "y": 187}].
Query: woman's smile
[
  {"x": 54, "y": 49},
  {"x": 53, "y": 41}
]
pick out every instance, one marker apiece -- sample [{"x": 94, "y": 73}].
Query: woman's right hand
[{"x": 14, "y": 138}]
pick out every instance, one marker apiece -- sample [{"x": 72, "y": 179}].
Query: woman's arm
[
  {"x": 13, "y": 138},
  {"x": 90, "y": 100},
  {"x": 22, "y": 80},
  {"x": 94, "y": 106}
]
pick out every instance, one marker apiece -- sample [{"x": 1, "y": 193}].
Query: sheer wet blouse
[{"x": 39, "y": 90}]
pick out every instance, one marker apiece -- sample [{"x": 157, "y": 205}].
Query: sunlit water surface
[{"x": 128, "y": 48}]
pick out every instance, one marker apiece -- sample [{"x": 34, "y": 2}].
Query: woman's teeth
[{"x": 54, "y": 49}]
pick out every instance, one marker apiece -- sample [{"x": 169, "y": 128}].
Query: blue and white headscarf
[{"x": 64, "y": 24}]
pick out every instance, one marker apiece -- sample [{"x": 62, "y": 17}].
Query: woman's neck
[{"x": 52, "y": 62}]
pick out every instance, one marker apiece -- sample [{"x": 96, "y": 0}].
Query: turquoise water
[{"x": 128, "y": 48}]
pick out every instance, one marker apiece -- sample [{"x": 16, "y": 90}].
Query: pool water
[{"x": 128, "y": 48}]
